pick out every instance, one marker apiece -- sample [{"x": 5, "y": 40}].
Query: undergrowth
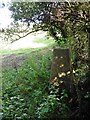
[{"x": 28, "y": 94}]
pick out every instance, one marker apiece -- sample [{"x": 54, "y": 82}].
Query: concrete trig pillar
[{"x": 61, "y": 74}]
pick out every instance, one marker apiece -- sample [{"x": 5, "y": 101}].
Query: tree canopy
[{"x": 52, "y": 16}]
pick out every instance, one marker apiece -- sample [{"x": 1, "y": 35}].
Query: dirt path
[
  {"x": 16, "y": 60},
  {"x": 13, "y": 60}
]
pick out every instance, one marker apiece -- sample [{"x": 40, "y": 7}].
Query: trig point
[{"x": 61, "y": 68}]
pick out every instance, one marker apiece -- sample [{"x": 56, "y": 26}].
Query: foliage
[
  {"x": 23, "y": 89},
  {"x": 27, "y": 93},
  {"x": 57, "y": 17},
  {"x": 54, "y": 107},
  {"x": 69, "y": 24}
]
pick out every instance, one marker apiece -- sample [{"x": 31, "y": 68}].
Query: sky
[{"x": 5, "y": 14}]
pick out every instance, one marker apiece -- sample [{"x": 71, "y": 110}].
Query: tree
[{"x": 68, "y": 22}]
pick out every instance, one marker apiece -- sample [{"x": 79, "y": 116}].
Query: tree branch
[{"x": 33, "y": 31}]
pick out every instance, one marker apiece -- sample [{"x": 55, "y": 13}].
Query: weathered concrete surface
[{"x": 61, "y": 74}]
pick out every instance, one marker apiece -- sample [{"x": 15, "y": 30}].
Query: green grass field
[{"x": 47, "y": 41}]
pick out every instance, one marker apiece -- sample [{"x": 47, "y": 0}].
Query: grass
[
  {"x": 19, "y": 51},
  {"x": 24, "y": 89},
  {"x": 48, "y": 41}
]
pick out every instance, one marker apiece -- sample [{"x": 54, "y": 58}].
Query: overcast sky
[{"x": 5, "y": 14}]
